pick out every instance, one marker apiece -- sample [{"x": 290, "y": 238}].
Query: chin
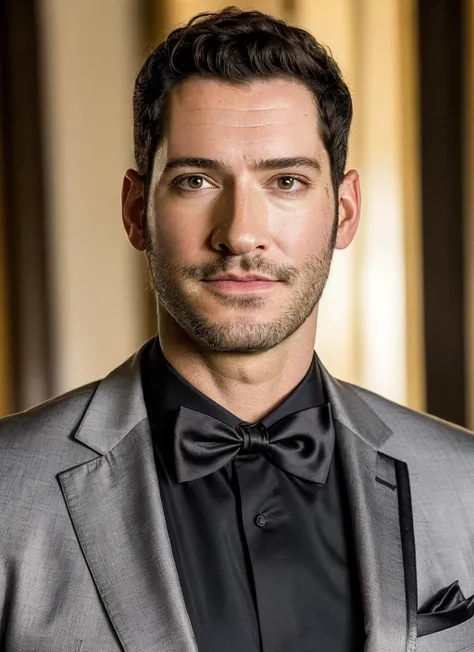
[{"x": 237, "y": 335}]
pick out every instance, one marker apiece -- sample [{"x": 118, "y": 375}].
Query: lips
[
  {"x": 249, "y": 278},
  {"x": 232, "y": 284}
]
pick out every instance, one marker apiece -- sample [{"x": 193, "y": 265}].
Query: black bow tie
[{"x": 300, "y": 443}]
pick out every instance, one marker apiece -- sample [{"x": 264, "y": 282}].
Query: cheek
[
  {"x": 178, "y": 234},
  {"x": 305, "y": 232}
]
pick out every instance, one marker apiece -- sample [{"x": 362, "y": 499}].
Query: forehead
[{"x": 262, "y": 118}]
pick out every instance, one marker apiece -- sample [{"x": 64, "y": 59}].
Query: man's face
[{"x": 241, "y": 215}]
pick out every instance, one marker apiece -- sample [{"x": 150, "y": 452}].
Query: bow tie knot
[
  {"x": 255, "y": 437},
  {"x": 300, "y": 443}
]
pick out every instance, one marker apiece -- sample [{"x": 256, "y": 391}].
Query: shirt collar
[{"x": 165, "y": 390}]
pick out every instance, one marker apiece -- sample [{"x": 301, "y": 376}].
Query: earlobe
[
  {"x": 133, "y": 209},
  {"x": 349, "y": 209}
]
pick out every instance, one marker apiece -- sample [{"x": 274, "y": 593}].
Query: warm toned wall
[{"x": 91, "y": 56}]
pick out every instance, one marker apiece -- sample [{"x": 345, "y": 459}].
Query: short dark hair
[{"x": 240, "y": 46}]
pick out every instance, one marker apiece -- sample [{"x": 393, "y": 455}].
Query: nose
[{"x": 241, "y": 222}]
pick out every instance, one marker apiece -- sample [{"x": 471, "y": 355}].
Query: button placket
[{"x": 259, "y": 487}]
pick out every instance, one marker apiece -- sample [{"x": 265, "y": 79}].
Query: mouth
[
  {"x": 240, "y": 284},
  {"x": 241, "y": 278}
]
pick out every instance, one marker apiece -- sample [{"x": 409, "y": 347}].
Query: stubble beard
[{"x": 242, "y": 334}]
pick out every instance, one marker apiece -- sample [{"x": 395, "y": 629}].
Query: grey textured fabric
[{"x": 85, "y": 559}]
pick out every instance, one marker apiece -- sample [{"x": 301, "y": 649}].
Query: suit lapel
[
  {"x": 380, "y": 504},
  {"x": 115, "y": 506}
]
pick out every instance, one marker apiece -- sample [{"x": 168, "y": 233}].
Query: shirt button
[{"x": 260, "y": 520}]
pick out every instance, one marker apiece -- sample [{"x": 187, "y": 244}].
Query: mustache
[{"x": 256, "y": 264}]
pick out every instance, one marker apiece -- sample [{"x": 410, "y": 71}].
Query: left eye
[{"x": 287, "y": 183}]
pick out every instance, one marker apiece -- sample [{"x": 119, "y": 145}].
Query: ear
[
  {"x": 349, "y": 202},
  {"x": 133, "y": 209}
]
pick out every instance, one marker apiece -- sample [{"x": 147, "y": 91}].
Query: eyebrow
[{"x": 264, "y": 164}]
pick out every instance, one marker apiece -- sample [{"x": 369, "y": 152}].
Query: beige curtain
[{"x": 90, "y": 57}]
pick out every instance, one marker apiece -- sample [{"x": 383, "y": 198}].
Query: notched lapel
[
  {"x": 380, "y": 505},
  {"x": 114, "y": 503}
]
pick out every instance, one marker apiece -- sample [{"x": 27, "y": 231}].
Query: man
[{"x": 220, "y": 490}]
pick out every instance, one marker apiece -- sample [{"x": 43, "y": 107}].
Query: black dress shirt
[{"x": 265, "y": 559}]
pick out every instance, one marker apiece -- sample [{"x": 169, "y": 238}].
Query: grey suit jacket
[{"x": 85, "y": 558}]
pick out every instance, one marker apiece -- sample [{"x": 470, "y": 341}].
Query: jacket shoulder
[
  {"x": 55, "y": 419},
  {"x": 35, "y": 446},
  {"x": 414, "y": 430}
]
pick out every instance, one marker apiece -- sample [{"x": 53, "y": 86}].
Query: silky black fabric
[
  {"x": 265, "y": 559},
  {"x": 286, "y": 443},
  {"x": 446, "y": 609}
]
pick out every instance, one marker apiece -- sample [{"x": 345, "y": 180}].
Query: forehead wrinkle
[
  {"x": 213, "y": 116},
  {"x": 249, "y": 141},
  {"x": 239, "y": 126},
  {"x": 244, "y": 108}
]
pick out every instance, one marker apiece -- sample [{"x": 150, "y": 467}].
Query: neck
[{"x": 249, "y": 385}]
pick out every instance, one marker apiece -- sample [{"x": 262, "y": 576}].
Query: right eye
[{"x": 191, "y": 182}]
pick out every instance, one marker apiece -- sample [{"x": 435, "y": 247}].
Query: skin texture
[{"x": 246, "y": 345}]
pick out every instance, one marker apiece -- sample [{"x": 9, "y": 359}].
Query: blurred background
[{"x": 398, "y": 313}]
